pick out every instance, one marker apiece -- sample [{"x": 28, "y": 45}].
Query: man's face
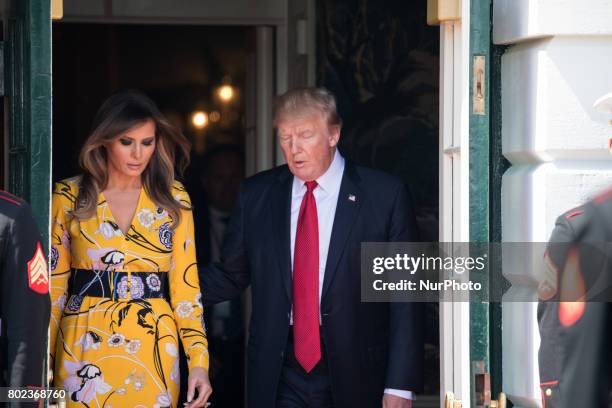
[{"x": 308, "y": 144}]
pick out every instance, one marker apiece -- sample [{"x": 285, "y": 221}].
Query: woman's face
[{"x": 130, "y": 152}]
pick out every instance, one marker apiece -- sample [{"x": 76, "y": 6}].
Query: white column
[{"x": 558, "y": 63}]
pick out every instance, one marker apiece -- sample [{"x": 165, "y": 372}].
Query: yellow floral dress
[{"x": 120, "y": 349}]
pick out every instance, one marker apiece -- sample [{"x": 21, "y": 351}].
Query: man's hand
[{"x": 393, "y": 401}]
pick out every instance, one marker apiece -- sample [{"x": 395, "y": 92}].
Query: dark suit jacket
[{"x": 370, "y": 346}]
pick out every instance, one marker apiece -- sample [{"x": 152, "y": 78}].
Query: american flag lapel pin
[{"x": 352, "y": 197}]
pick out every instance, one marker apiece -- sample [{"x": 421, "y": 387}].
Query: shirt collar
[{"x": 329, "y": 181}]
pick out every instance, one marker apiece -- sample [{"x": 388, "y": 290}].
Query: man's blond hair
[{"x": 300, "y": 100}]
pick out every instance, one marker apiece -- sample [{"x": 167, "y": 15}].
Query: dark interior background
[
  {"x": 179, "y": 67},
  {"x": 381, "y": 60}
]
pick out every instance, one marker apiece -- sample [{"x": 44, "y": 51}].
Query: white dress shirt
[{"x": 326, "y": 197}]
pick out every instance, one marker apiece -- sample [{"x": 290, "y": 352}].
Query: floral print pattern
[
  {"x": 89, "y": 340},
  {"x": 132, "y": 346},
  {"x": 116, "y": 340},
  {"x": 165, "y": 235},
  {"x": 53, "y": 257},
  {"x": 85, "y": 381},
  {"x": 160, "y": 213},
  {"x": 136, "y": 288},
  {"x": 146, "y": 217},
  {"x": 184, "y": 308},
  {"x": 108, "y": 230},
  {"x": 153, "y": 282},
  {"x": 122, "y": 350},
  {"x": 74, "y": 303}
]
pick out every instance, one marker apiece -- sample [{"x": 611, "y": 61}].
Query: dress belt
[{"x": 116, "y": 286}]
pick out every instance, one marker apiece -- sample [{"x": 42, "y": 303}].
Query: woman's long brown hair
[{"x": 117, "y": 115}]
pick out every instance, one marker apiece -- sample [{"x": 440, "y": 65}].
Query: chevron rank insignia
[{"x": 38, "y": 274}]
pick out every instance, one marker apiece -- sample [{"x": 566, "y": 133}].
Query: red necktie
[{"x": 306, "y": 335}]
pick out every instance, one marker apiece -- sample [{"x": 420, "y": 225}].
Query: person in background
[
  {"x": 24, "y": 297},
  {"x": 221, "y": 171},
  {"x": 574, "y": 314}
]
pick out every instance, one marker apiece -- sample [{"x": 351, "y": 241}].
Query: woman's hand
[{"x": 198, "y": 380}]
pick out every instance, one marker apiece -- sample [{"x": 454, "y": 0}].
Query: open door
[
  {"x": 470, "y": 361},
  {"x": 454, "y": 199}
]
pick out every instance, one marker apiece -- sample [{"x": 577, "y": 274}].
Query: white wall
[
  {"x": 524, "y": 20},
  {"x": 559, "y": 62}
]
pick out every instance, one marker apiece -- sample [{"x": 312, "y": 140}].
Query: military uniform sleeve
[
  {"x": 28, "y": 306},
  {"x": 185, "y": 295},
  {"x": 60, "y": 258},
  {"x": 552, "y": 347},
  {"x": 561, "y": 239}
]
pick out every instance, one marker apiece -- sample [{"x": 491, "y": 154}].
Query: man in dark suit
[{"x": 295, "y": 237}]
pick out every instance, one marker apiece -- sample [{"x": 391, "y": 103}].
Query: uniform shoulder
[
  {"x": 601, "y": 208},
  {"x": 8, "y": 199},
  {"x": 569, "y": 223},
  {"x": 574, "y": 214},
  {"x": 11, "y": 206},
  {"x": 603, "y": 201},
  {"x": 575, "y": 220},
  {"x": 15, "y": 213}
]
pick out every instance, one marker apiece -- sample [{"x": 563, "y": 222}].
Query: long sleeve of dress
[
  {"x": 60, "y": 257},
  {"x": 185, "y": 295}
]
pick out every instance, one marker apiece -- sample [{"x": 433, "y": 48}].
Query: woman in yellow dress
[{"x": 124, "y": 284}]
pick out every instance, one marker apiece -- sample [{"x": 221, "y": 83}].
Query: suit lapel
[
  {"x": 349, "y": 203},
  {"x": 281, "y": 214}
]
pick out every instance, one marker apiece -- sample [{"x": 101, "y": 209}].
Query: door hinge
[{"x": 482, "y": 388}]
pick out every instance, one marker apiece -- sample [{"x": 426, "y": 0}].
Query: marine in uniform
[
  {"x": 575, "y": 324},
  {"x": 24, "y": 296},
  {"x": 552, "y": 350}
]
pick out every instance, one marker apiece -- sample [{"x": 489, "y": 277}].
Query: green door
[
  {"x": 27, "y": 48},
  {"x": 486, "y": 166}
]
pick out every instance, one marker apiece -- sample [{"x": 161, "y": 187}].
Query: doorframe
[
  {"x": 454, "y": 200},
  {"x": 469, "y": 202}
]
